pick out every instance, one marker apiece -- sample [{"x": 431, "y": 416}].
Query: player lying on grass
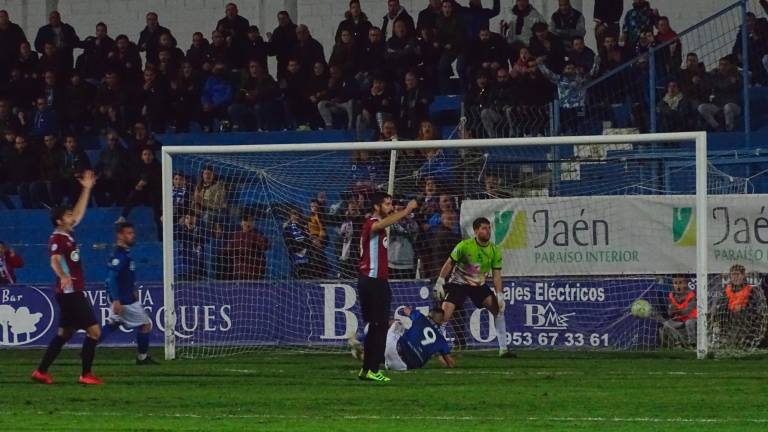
[
  {"x": 126, "y": 308},
  {"x": 413, "y": 347},
  {"x": 467, "y": 268}
]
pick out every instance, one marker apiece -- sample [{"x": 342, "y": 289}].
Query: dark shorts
[
  {"x": 458, "y": 293},
  {"x": 375, "y": 298},
  {"x": 76, "y": 311}
]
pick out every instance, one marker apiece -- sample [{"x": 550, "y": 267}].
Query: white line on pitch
[{"x": 396, "y": 417}]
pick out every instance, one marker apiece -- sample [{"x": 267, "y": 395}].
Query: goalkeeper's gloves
[
  {"x": 438, "y": 292},
  {"x": 501, "y": 301}
]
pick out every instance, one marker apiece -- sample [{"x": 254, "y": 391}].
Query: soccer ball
[{"x": 641, "y": 308}]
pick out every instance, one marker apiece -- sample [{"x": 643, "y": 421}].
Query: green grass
[{"x": 271, "y": 391}]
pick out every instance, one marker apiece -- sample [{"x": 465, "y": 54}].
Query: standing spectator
[
  {"x": 757, "y": 34},
  {"x": 544, "y": 43},
  {"x": 235, "y": 30},
  {"x": 451, "y": 35},
  {"x": 218, "y": 52},
  {"x": 9, "y": 262},
  {"x": 256, "y": 49},
  {"x": 637, "y": 19},
  {"x": 317, "y": 237},
  {"x": 92, "y": 63},
  {"x": 675, "y": 110},
  {"x": 139, "y": 139},
  {"x": 428, "y": 16},
  {"x": 350, "y": 237},
  {"x": 400, "y": 56},
  {"x": 21, "y": 172},
  {"x": 77, "y": 105},
  {"x": 147, "y": 191},
  {"x": 149, "y": 38},
  {"x": 113, "y": 167},
  {"x": 11, "y": 37},
  {"x": 216, "y": 96},
  {"x": 476, "y": 17},
  {"x": 401, "y": 251},
  {"x": 338, "y": 97},
  {"x": 315, "y": 88},
  {"x": 154, "y": 101},
  {"x": 180, "y": 193},
  {"x": 567, "y": 23},
  {"x": 197, "y": 51},
  {"x": 673, "y": 57},
  {"x": 607, "y": 18},
  {"x": 503, "y": 97},
  {"x": 75, "y": 163},
  {"x": 581, "y": 55},
  {"x": 45, "y": 120},
  {"x": 297, "y": 241},
  {"x": 185, "y": 93},
  {"x": 488, "y": 52},
  {"x": 395, "y": 12},
  {"x": 571, "y": 91},
  {"x": 61, "y": 35},
  {"x": 441, "y": 242},
  {"x": 356, "y": 22},
  {"x": 125, "y": 60},
  {"x": 257, "y": 100},
  {"x": 370, "y": 57},
  {"x": 281, "y": 42},
  {"x": 693, "y": 81},
  {"x": 248, "y": 248},
  {"x": 48, "y": 190},
  {"x": 20, "y": 91},
  {"x": 345, "y": 53},
  {"x": 725, "y": 95},
  {"x": 53, "y": 59},
  {"x": 377, "y": 106},
  {"x": 518, "y": 26},
  {"x": 8, "y": 121},
  {"x": 210, "y": 197},
  {"x": 51, "y": 90},
  {"x": 188, "y": 250},
  {"x": 27, "y": 60},
  {"x": 297, "y": 109},
  {"x": 166, "y": 43},
  {"x": 307, "y": 50},
  {"x": 414, "y": 105}
]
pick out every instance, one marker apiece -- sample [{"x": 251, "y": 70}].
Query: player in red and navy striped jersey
[
  {"x": 373, "y": 284},
  {"x": 76, "y": 311}
]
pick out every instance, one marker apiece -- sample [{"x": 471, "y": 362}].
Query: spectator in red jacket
[
  {"x": 248, "y": 247},
  {"x": 9, "y": 262}
]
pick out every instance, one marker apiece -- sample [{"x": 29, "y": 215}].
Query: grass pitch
[{"x": 272, "y": 391}]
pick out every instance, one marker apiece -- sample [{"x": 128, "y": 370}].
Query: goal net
[{"x": 266, "y": 242}]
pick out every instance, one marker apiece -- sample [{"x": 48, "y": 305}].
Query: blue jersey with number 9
[{"x": 422, "y": 341}]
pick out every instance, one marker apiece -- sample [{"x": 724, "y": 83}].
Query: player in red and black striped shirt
[
  {"x": 373, "y": 284},
  {"x": 76, "y": 311}
]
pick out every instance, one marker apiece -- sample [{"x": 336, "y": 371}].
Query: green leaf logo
[
  {"x": 510, "y": 229},
  {"x": 684, "y": 227}
]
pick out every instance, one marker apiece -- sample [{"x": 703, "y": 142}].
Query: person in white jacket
[{"x": 519, "y": 21}]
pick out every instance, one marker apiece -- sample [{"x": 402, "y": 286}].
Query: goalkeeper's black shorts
[{"x": 458, "y": 293}]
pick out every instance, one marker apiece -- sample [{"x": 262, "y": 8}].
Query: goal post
[{"x": 266, "y": 185}]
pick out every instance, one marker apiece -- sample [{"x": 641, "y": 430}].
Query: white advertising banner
[{"x": 609, "y": 235}]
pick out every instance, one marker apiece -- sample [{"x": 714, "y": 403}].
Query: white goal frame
[{"x": 702, "y": 243}]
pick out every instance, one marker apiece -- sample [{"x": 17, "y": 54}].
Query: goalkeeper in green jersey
[{"x": 466, "y": 270}]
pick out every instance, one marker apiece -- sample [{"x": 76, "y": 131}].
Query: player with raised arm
[
  {"x": 126, "y": 308},
  {"x": 373, "y": 281},
  {"x": 468, "y": 265},
  {"x": 76, "y": 311}
]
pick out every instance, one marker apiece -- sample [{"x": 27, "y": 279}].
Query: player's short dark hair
[
  {"x": 57, "y": 213},
  {"x": 738, "y": 268},
  {"x": 378, "y": 198},
  {"x": 477, "y": 223},
  {"x": 119, "y": 227},
  {"x": 540, "y": 27},
  {"x": 680, "y": 276}
]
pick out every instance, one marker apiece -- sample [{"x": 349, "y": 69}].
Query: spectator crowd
[{"x": 378, "y": 79}]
